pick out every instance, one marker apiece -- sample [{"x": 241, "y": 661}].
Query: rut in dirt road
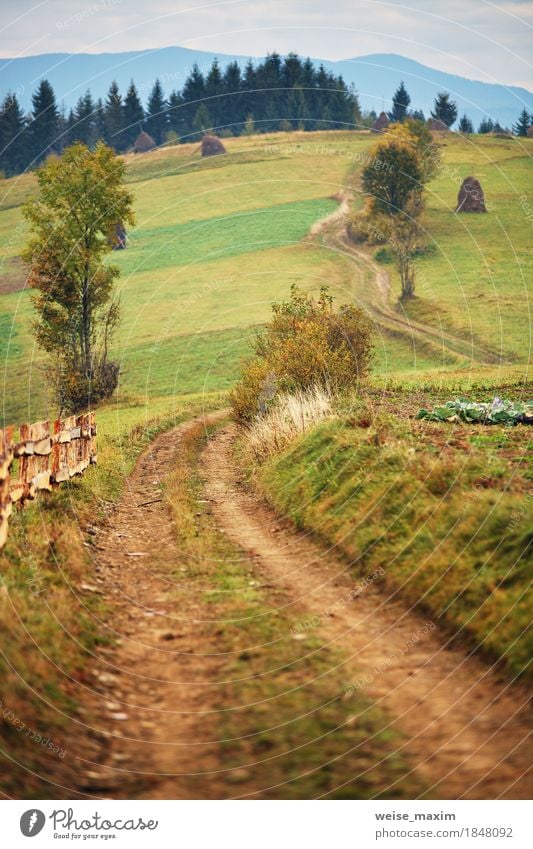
[
  {"x": 147, "y": 706},
  {"x": 466, "y": 728}
]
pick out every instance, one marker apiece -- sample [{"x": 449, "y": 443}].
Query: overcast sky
[{"x": 473, "y": 38}]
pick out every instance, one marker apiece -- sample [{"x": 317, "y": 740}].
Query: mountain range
[{"x": 375, "y": 77}]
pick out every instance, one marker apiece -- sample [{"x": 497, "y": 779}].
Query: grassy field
[
  {"x": 476, "y": 279},
  {"x": 216, "y": 241}
]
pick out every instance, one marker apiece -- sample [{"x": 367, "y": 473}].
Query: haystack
[
  {"x": 530, "y": 132},
  {"x": 117, "y": 238},
  {"x": 471, "y": 197},
  {"x": 212, "y": 146},
  {"x": 437, "y": 126},
  {"x": 381, "y": 123},
  {"x": 143, "y": 143}
]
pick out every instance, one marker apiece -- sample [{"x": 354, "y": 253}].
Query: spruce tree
[
  {"x": 444, "y": 109},
  {"x": 249, "y": 85},
  {"x": 201, "y": 122},
  {"x": 465, "y": 125},
  {"x": 114, "y": 118},
  {"x": 156, "y": 120},
  {"x": 400, "y": 104},
  {"x": 43, "y": 129},
  {"x": 233, "y": 100},
  {"x": 213, "y": 90},
  {"x": 99, "y": 120},
  {"x": 522, "y": 125},
  {"x": 84, "y": 128},
  {"x": 192, "y": 95},
  {"x": 297, "y": 108},
  {"x": 132, "y": 116},
  {"x": 14, "y": 155},
  {"x": 175, "y": 113},
  {"x": 486, "y": 126}
]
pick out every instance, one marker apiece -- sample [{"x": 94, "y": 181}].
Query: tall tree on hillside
[
  {"x": 444, "y": 109},
  {"x": 395, "y": 193},
  {"x": 271, "y": 98},
  {"x": 192, "y": 95},
  {"x": 214, "y": 88},
  {"x": 175, "y": 113},
  {"x": 420, "y": 139},
  {"x": 99, "y": 120},
  {"x": 297, "y": 112},
  {"x": 202, "y": 121},
  {"x": 13, "y": 147},
  {"x": 156, "y": 116},
  {"x": 83, "y": 129},
  {"x": 133, "y": 116},
  {"x": 465, "y": 125},
  {"x": 233, "y": 100},
  {"x": 114, "y": 118},
  {"x": 399, "y": 177},
  {"x": 249, "y": 84},
  {"x": 72, "y": 281},
  {"x": 522, "y": 125},
  {"x": 400, "y": 104},
  {"x": 292, "y": 71},
  {"x": 486, "y": 126},
  {"x": 43, "y": 128}
]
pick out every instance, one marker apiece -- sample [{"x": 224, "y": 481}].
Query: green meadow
[{"x": 216, "y": 241}]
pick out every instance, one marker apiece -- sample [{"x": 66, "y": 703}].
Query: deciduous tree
[{"x": 81, "y": 197}]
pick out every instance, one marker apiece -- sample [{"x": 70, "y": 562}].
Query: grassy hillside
[
  {"x": 477, "y": 275},
  {"x": 217, "y": 240},
  {"x": 442, "y": 508}
]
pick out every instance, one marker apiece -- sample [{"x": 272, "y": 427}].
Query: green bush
[
  {"x": 305, "y": 344},
  {"x": 384, "y": 256}
]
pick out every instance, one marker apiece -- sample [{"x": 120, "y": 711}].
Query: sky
[{"x": 473, "y": 38}]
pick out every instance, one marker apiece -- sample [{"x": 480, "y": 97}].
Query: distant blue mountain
[{"x": 375, "y": 77}]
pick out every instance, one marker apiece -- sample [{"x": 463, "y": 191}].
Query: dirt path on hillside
[
  {"x": 146, "y": 706},
  {"x": 332, "y": 229},
  {"x": 467, "y": 729}
]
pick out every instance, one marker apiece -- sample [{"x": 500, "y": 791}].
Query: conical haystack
[
  {"x": 381, "y": 123},
  {"x": 471, "y": 197},
  {"x": 212, "y": 146},
  {"x": 143, "y": 143},
  {"x": 437, "y": 126}
]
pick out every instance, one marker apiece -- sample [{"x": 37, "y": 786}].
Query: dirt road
[
  {"x": 151, "y": 700},
  {"x": 467, "y": 728}
]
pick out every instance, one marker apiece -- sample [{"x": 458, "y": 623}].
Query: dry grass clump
[{"x": 294, "y": 414}]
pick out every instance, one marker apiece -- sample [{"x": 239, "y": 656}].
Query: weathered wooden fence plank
[{"x": 43, "y": 457}]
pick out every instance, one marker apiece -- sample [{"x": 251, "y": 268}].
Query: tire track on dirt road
[
  {"x": 467, "y": 728},
  {"x": 145, "y": 705}
]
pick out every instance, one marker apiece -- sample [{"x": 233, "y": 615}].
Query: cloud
[{"x": 474, "y": 38}]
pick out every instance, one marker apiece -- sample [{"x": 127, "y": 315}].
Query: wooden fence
[{"x": 42, "y": 458}]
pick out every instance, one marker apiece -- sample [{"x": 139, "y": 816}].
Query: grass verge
[{"x": 442, "y": 508}]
